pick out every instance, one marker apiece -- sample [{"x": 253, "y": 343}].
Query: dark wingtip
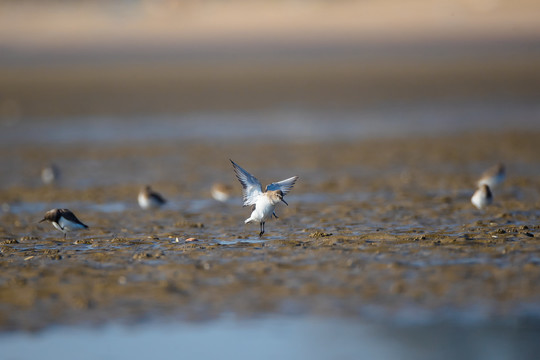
[{"x": 237, "y": 170}]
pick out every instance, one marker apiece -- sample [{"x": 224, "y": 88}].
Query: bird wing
[
  {"x": 251, "y": 187},
  {"x": 284, "y": 185},
  {"x": 68, "y": 215},
  {"x": 160, "y": 199}
]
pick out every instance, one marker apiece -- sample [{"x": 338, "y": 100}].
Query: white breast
[
  {"x": 55, "y": 224},
  {"x": 263, "y": 209},
  {"x": 68, "y": 225},
  {"x": 148, "y": 202},
  {"x": 220, "y": 195},
  {"x": 480, "y": 200},
  {"x": 143, "y": 201}
]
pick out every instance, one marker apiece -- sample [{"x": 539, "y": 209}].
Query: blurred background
[
  {"x": 130, "y": 69},
  {"x": 411, "y": 101}
]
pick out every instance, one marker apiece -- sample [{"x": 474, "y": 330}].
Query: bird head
[{"x": 279, "y": 195}]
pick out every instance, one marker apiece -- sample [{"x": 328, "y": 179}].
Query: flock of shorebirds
[{"x": 263, "y": 203}]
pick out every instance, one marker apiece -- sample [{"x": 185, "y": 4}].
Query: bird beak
[
  {"x": 282, "y": 199},
  {"x": 42, "y": 220}
]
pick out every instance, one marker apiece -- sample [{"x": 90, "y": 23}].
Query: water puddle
[
  {"x": 242, "y": 241},
  {"x": 41, "y": 207},
  {"x": 253, "y": 240}
]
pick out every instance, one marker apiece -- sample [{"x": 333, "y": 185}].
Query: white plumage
[
  {"x": 482, "y": 197},
  {"x": 264, "y": 202}
]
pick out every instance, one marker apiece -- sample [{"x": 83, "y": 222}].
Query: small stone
[{"x": 191, "y": 239}]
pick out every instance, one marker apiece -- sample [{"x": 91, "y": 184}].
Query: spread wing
[
  {"x": 251, "y": 187},
  {"x": 284, "y": 185}
]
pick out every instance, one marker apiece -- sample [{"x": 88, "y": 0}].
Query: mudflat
[{"x": 382, "y": 226}]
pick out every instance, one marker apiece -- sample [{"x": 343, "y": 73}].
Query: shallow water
[
  {"x": 424, "y": 118},
  {"x": 279, "y": 337}
]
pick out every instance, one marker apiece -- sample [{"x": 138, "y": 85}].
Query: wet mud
[{"x": 375, "y": 228}]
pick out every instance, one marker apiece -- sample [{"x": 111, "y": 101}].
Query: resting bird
[
  {"x": 493, "y": 177},
  {"x": 482, "y": 197},
  {"x": 64, "y": 220},
  {"x": 221, "y": 192},
  {"x": 149, "y": 199}
]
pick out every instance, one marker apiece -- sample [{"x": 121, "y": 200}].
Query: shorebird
[
  {"x": 482, "y": 197},
  {"x": 64, "y": 220},
  {"x": 263, "y": 203},
  {"x": 50, "y": 174},
  {"x": 149, "y": 199},
  {"x": 493, "y": 177},
  {"x": 221, "y": 192}
]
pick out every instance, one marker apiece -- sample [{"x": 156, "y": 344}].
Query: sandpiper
[
  {"x": 265, "y": 202},
  {"x": 50, "y": 174},
  {"x": 493, "y": 177},
  {"x": 149, "y": 199},
  {"x": 482, "y": 197},
  {"x": 221, "y": 192},
  {"x": 64, "y": 220}
]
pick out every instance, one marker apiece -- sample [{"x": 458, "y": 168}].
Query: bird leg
[
  {"x": 262, "y": 229},
  {"x": 274, "y": 213}
]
